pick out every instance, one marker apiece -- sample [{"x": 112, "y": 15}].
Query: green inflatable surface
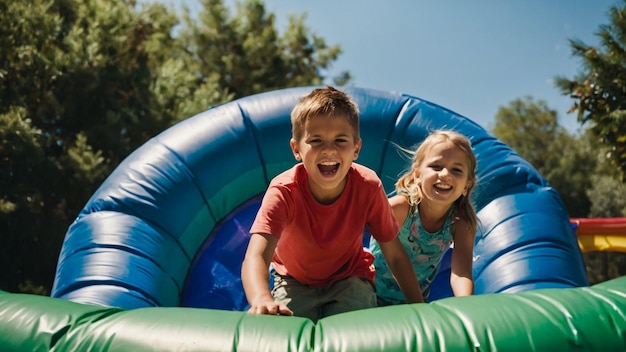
[{"x": 569, "y": 319}]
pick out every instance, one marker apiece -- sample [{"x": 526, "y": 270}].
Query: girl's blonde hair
[{"x": 407, "y": 183}]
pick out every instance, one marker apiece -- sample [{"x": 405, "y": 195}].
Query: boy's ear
[
  {"x": 294, "y": 148},
  {"x": 357, "y": 149}
]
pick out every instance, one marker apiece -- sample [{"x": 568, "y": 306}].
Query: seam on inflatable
[
  {"x": 115, "y": 283},
  {"x": 194, "y": 179},
  {"x": 250, "y": 127}
]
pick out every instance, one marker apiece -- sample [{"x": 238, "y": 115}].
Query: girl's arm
[
  {"x": 402, "y": 270},
  {"x": 255, "y": 276},
  {"x": 397, "y": 258},
  {"x": 461, "y": 279}
]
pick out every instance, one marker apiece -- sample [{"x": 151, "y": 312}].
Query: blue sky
[{"x": 471, "y": 57}]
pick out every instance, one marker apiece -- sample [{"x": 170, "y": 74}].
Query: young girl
[{"x": 434, "y": 208}]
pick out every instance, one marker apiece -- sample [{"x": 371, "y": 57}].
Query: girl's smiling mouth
[{"x": 442, "y": 187}]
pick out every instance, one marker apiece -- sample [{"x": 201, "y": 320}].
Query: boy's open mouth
[{"x": 328, "y": 168}]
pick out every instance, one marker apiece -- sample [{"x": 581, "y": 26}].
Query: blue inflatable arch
[
  {"x": 166, "y": 232},
  {"x": 169, "y": 226}
]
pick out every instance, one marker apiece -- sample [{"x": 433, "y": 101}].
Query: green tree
[
  {"x": 75, "y": 79},
  {"x": 531, "y": 128},
  {"x": 606, "y": 193},
  {"x": 607, "y": 197},
  {"x": 245, "y": 53},
  {"x": 599, "y": 90},
  {"x": 84, "y": 83}
]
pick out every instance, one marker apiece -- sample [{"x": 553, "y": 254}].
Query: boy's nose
[{"x": 328, "y": 148}]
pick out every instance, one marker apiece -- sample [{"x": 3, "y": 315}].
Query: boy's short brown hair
[{"x": 328, "y": 101}]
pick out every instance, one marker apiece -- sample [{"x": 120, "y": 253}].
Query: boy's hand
[
  {"x": 270, "y": 307},
  {"x": 255, "y": 276}
]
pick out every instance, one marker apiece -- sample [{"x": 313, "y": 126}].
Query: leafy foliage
[
  {"x": 84, "y": 83},
  {"x": 576, "y": 166},
  {"x": 75, "y": 86},
  {"x": 532, "y": 129},
  {"x": 245, "y": 54},
  {"x": 607, "y": 197},
  {"x": 603, "y": 266},
  {"x": 599, "y": 90}
]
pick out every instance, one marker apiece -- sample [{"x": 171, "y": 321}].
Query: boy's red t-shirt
[{"x": 321, "y": 244}]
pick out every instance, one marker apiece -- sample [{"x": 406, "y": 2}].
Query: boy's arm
[
  {"x": 461, "y": 279},
  {"x": 255, "y": 276},
  {"x": 402, "y": 270}
]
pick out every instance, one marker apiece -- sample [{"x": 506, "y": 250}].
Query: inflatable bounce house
[{"x": 152, "y": 262}]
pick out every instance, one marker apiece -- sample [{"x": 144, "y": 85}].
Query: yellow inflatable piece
[{"x": 600, "y": 234}]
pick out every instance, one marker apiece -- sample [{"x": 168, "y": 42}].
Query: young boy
[{"x": 310, "y": 224}]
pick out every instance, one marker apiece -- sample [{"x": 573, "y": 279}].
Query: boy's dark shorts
[{"x": 346, "y": 295}]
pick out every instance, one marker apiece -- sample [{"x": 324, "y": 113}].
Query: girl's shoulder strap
[
  {"x": 414, "y": 212},
  {"x": 402, "y": 192}
]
